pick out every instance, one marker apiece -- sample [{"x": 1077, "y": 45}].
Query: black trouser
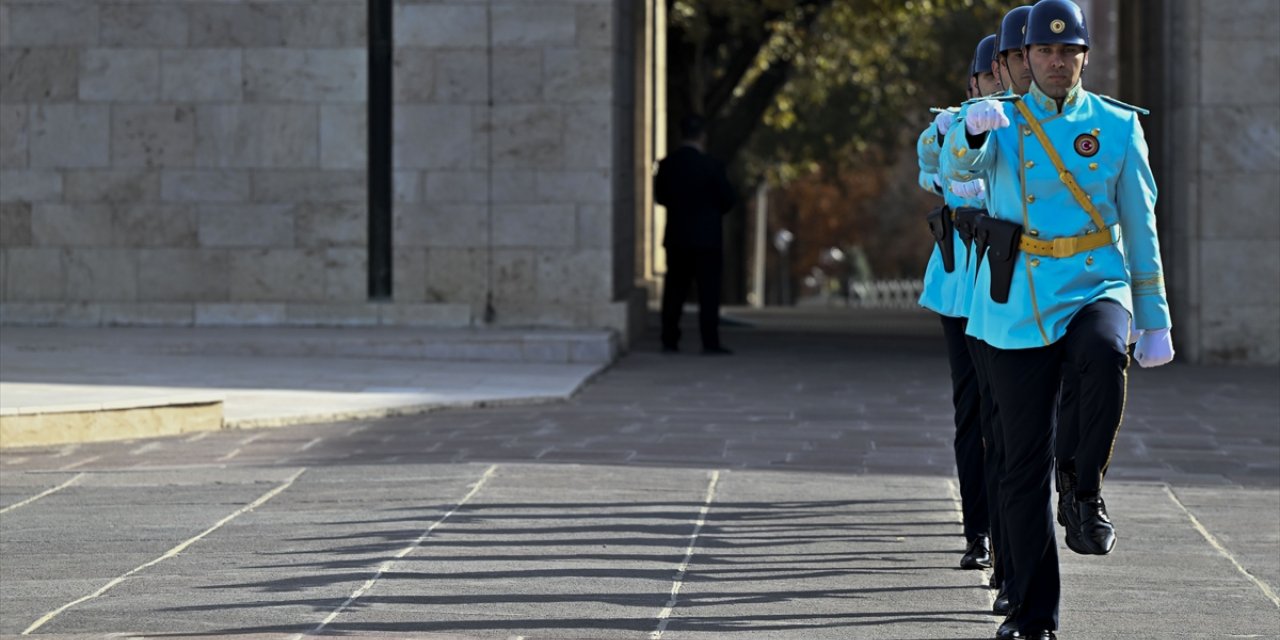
[
  {"x": 684, "y": 266},
  {"x": 968, "y": 440},
  {"x": 993, "y": 460},
  {"x": 1067, "y": 426},
  {"x": 1026, "y": 383},
  {"x": 1084, "y": 446}
]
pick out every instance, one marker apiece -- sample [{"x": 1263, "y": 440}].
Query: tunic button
[
  {"x": 1096, "y": 132},
  {"x": 1035, "y": 232},
  {"x": 1026, "y": 131},
  {"x": 1093, "y": 166},
  {"x": 1035, "y": 262},
  {"x": 1088, "y": 260},
  {"x": 1031, "y": 198},
  {"x": 1030, "y": 164}
]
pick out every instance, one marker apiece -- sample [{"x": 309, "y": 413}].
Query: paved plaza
[{"x": 802, "y": 488}]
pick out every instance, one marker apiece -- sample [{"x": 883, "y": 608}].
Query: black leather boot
[
  {"x": 978, "y": 555},
  {"x": 1095, "y": 530}
]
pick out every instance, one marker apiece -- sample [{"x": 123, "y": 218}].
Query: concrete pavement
[{"x": 802, "y": 488}]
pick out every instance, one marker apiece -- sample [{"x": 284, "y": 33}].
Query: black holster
[
  {"x": 998, "y": 239},
  {"x": 967, "y": 223},
  {"x": 941, "y": 226}
]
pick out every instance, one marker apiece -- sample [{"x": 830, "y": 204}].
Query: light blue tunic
[
  {"x": 970, "y": 261},
  {"x": 944, "y": 293},
  {"x": 1101, "y": 143}
]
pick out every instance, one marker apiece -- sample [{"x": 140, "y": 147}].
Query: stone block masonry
[{"x": 204, "y": 163}]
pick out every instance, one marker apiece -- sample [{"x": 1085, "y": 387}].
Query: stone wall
[
  {"x": 203, "y": 162},
  {"x": 517, "y": 201},
  {"x": 1221, "y": 150}
]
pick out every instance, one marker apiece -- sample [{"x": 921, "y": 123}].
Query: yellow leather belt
[{"x": 1068, "y": 246}]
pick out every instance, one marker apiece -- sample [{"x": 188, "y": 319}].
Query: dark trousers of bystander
[{"x": 684, "y": 268}]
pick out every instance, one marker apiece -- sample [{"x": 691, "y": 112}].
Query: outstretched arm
[
  {"x": 968, "y": 145},
  {"x": 927, "y": 149}
]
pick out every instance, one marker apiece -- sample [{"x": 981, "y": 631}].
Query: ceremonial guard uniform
[
  {"x": 947, "y": 284},
  {"x": 1010, "y": 39},
  {"x": 1070, "y": 254}
]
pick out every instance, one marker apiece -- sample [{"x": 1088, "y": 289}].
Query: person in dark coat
[{"x": 695, "y": 189}]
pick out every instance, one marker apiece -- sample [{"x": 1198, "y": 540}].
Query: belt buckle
[{"x": 1064, "y": 247}]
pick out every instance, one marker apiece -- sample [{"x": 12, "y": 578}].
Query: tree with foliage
[{"x": 825, "y": 90}]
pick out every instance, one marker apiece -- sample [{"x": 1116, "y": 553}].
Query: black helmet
[
  {"x": 983, "y": 55},
  {"x": 1056, "y": 22},
  {"x": 1012, "y": 27}
]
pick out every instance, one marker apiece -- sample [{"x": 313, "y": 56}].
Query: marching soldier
[
  {"x": 1016, "y": 76},
  {"x": 983, "y": 81},
  {"x": 1015, "y": 80},
  {"x": 1010, "y": 61},
  {"x": 1069, "y": 181},
  {"x": 946, "y": 292}
]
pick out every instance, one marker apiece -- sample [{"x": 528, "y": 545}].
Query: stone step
[
  {"x": 120, "y": 414},
  {"x": 63, "y": 385},
  {"x": 466, "y": 345}
]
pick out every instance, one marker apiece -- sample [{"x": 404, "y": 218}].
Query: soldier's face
[
  {"x": 1014, "y": 72},
  {"x": 987, "y": 83},
  {"x": 1056, "y": 67}
]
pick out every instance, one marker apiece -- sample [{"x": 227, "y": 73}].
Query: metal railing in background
[{"x": 882, "y": 294}]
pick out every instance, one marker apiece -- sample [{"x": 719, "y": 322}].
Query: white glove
[
  {"x": 971, "y": 190},
  {"x": 985, "y": 116},
  {"x": 943, "y": 122},
  {"x": 1154, "y": 348}
]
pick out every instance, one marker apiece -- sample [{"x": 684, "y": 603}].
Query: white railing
[{"x": 885, "y": 294}]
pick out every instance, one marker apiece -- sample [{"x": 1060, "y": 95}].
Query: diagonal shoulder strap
[{"x": 1063, "y": 175}]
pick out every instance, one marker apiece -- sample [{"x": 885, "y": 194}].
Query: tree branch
[
  {"x": 729, "y": 132},
  {"x": 745, "y": 50},
  {"x": 740, "y": 61}
]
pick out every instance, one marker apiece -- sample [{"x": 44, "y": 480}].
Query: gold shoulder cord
[{"x": 1063, "y": 175}]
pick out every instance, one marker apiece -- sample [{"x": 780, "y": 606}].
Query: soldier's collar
[{"x": 1050, "y": 106}]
